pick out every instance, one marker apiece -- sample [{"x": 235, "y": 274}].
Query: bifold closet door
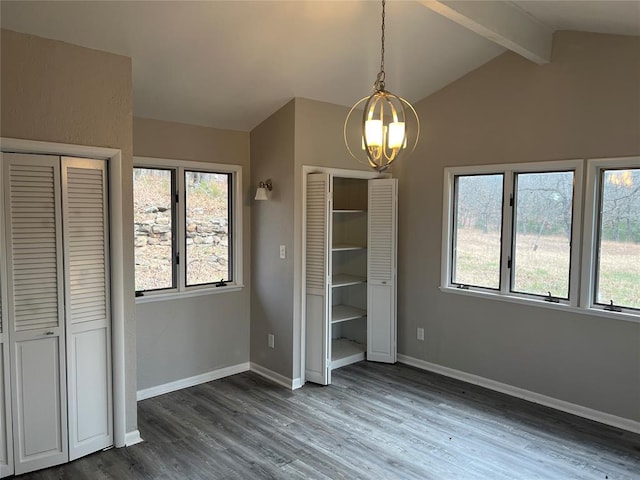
[
  {"x": 35, "y": 310},
  {"x": 318, "y": 233},
  {"x": 6, "y": 440},
  {"x": 88, "y": 318},
  {"x": 381, "y": 270}
]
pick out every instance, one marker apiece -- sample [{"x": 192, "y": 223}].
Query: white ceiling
[
  {"x": 230, "y": 64},
  {"x": 619, "y": 17}
]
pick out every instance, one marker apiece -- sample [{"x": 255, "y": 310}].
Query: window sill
[
  {"x": 624, "y": 316},
  {"x": 198, "y": 292}
]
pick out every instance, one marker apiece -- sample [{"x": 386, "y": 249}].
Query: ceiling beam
[{"x": 501, "y": 22}]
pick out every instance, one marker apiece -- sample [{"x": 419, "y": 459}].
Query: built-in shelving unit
[{"x": 349, "y": 271}]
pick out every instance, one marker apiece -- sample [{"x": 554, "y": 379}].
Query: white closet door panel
[
  {"x": 382, "y": 231},
  {"x": 317, "y": 235},
  {"x": 85, "y": 197},
  {"x": 317, "y": 367},
  {"x": 33, "y": 233},
  {"x": 381, "y": 271},
  {"x": 88, "y": 313},
  {"x": 40, "y": 422},
  {"x": 35, "y": 310},
  {"x": 90, "y": 391},
  {"x": 381, "y": 325}
]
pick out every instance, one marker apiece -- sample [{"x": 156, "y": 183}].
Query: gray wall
[
  {"x": 272, "y": 225},
  {"x": 319, "y": 142},
  {"x": 303, "y": 132},
  {"x": 584, "y": 104},
  {"x": 57, "y": 92},
  {"x": 186, "y": 337}
]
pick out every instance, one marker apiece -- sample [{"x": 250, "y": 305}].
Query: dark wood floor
[{"x": 375, "y": 422}]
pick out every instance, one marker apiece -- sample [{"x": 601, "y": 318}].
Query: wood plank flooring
[{"x": 375, "y": 422}]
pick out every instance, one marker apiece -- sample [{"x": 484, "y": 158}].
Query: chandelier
[{"x": 389, "y": 123}]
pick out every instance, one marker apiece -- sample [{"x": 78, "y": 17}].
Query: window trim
[
  {"x": 508, "y": 170},
  {"x": 235, "y": 224},
  {"x": 590, "y": 232}
]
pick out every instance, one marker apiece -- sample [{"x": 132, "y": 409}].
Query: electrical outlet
[
  {"x": 420, "y": 333},
  {"x": 271, "y": 340},
  {"x": 283, "y": 251}
]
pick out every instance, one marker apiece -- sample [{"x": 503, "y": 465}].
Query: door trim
[{"x": 122, "y": 301}]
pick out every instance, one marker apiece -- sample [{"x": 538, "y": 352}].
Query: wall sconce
[{"x": 261, "y": 192}]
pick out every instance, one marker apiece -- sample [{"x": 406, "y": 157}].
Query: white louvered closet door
[
  {"x": 317, "y": 235},
  {"x": 88, "y": 325},
  {"x": 35, "y": 310},
  {"x": 6, "y": 440},
  {"x": 381, "y": 270}
]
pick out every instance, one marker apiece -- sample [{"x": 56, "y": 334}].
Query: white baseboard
[
  {"x": 191, "y": 381},
  {"x": 131, "y": 438},
  {"x": 275, "y": 377},
  {"x": 579, "y": 410}
]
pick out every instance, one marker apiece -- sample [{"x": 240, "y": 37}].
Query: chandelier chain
[{"x": 379, "y": 85}]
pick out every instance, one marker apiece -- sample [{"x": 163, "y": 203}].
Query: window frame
[
  {"x": 592, "y": 231},
  {"x": 178, "y": 167},
  {"x": 507, "y": 236}
]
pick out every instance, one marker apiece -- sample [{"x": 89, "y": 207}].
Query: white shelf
[
  {"x": 345, "y": 352},
  {"x": 348, "y": 211},
  {"x": 342, "y": 280},
  {"x": 343, "y": 313},
  {"x": 342, "y": 247}
]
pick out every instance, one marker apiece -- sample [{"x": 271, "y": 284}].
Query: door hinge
[
  {"x": 509, "y": 262},
  {"x": 511, "y": 200},
  {"x": 177, "y": 259},
  {"x": 177, "y": 197}
]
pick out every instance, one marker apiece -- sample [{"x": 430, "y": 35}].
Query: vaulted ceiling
[{"x": 230, "y": 64}]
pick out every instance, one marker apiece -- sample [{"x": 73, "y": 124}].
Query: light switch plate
[{"x": 283, "y": 251}]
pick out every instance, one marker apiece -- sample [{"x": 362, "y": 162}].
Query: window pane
[
  {"x": 152, "y": 194},
  {"x": 542, "y": 229},
  {"x": 477, "y": 230},
  {"x": 207, "y": 227},
  {"x": 618, "y": 269}
]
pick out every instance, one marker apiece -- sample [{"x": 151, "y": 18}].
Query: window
[
  {"x": 542, "y": 221},
  {"x": 153, "y": 213},
  {"x": 477, "y": 230},
  {"x": 614, "y": 212},
  {"x": 509, "y": 230},
  {"x": 515, "y": 232},
  {"x": 208, "y": 253},
  {"x": 186, "y": 226}
]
